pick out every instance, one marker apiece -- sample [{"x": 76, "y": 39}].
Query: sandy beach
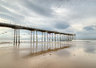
[{"x": 79, "y": 54}]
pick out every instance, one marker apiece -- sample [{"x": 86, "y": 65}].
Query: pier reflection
[{"x": 34, "y": 49}]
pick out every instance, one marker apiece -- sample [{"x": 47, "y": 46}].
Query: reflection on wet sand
[
  {"x": 73, "y": 54},
  {"x": 39, "y": 48}
]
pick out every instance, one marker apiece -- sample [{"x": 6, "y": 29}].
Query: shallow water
[{"x": 74, "y": 54}]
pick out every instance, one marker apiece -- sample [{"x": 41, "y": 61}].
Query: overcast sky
[{"x": 69, "y": 16}]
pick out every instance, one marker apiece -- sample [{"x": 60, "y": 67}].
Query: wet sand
[{"x": 75, "y": 54}]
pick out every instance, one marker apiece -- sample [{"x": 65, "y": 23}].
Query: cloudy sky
[{"x": 69, "y": 16}]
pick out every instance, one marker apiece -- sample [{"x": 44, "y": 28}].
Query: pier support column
[
  {"x": 36, "y": 39},
  {"x": 16, "y": 37},
  {"x": 52, "y": 40},
  {"x": 64, "y": 39},
  {"x": 33, "y": 40},
  {"x": 55, "y": 40},
  {"x": 71, "y": 37},
  {"x": 60, "y": 41},
  {"x": 47, "y": 40},
  {"x": 42, "y": 41}
]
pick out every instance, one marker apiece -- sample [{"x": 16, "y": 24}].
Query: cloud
[
  {"x": 77, "y": 16},
  {"x": 61, "y": 25},
  {"x": 89, "y": 28},
  {"x": 30, "y": 5}
]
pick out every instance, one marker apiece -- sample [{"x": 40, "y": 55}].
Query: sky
[{"x": 68, "y": 16}]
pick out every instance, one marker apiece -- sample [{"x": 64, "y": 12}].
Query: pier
[{"x": 46, "y": 35}]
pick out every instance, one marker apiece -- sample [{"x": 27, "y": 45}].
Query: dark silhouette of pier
[{"x": 47, "y": 35}]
